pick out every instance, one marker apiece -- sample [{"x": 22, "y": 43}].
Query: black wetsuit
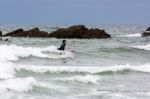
[{"x": 62, "y": 47}]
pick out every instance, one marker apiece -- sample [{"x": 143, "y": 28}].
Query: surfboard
[{"x": 59, "y": 52}]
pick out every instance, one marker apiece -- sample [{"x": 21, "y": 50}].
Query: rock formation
[
  {"x": 1, "y": 33},
  {"x": 35, "y": 32},
  {"x": 146, "y": 33},
  {"x": 77, "y": 31},
  {"x": 80, "y": 32}
]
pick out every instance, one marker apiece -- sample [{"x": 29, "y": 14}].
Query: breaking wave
[
  {"x": 144, "y": 47},
  {"x": 25, "y": 85},
  {"x": 17, "y": 84},
  {"x": 82, "y": 79},
  {"x": 10, "y": 53},
  {"x": 7, "y": 70},
  {"x": 86, "y": 70},
  {"x": 132, "y": 35},
  {"x": 13, "y": 52}
]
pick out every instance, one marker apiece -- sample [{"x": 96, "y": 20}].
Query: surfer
[{"x": 62, "y": 47}]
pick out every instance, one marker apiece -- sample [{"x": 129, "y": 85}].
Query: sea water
[{"x": 116, "y": 68}]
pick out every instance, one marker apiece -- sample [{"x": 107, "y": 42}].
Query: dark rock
[
  {"x": 14, "y": 32},
  {"x": 148, "y": 29},
  {"x": 1, "y": 34},
  {"x": 146, "y": 33},
  {"x": 79, "y": 31},
  {"x": 35, "y": 32}
]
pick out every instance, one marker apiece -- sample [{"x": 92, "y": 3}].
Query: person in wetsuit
[{"x": 62, "y": 47}]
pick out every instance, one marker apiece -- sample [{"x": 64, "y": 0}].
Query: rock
[
  {"x": 77, "y": 31},
  {"x": 35, "y": 32},
  {"x": 80, "y": 32},
  {"x": 14, "y": 32},
  {"x": 146, "y": 33},
  {"x": 1, "y": 34},
  {"x": 148, "y": 29}
]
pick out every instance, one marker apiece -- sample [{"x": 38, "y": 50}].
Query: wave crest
[
  {"x": 86, "y": 70},
  {"x": 82, "y": 79},
  {"x": 144, "y": 47},
  {"x": 17, "y": 84},
  {"x": 13, "y": 52}
]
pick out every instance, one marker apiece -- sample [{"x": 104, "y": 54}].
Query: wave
[
  {"x": 13, "y": 52},
  {"x": 132, "y": 35},
  {"x": 23, "y": 84},
  {"x": 82, "y": 79},
  {"x": 85, "y": 70},
  {"x": 144, "y": 47},
  {"x": 26, "y": 85},
  {"x": 7, "y": 70}
]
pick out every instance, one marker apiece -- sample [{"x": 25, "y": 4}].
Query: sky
[{"x": 69, "y": 12}]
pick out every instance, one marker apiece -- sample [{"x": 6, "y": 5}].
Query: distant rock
[
  {"x": 35, "y": 32},
  {"x": 1, "y": 33},
  {"x": 77, "y": 31},
  {"x": 148, "y": 29},
  {"x": 13, "y": 33},
  {"x": 146, "y": 33},
  {"x": 80, "y": 32}
]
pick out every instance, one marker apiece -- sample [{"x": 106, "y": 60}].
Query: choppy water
[{"x": 117, "y": 68}]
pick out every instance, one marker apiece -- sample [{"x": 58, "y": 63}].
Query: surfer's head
[{"x": 64, "y": 41}]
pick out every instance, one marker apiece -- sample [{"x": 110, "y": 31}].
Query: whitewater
[{"x": 116, "y": 68}]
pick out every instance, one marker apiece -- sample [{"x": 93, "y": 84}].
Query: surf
[
  {"x": 14, "y": 52},
  {"x": 145, "y": 68}
]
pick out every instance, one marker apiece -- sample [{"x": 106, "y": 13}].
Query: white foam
[
  {"x": 120, "y": 96},
  {"x": 17, "y": 84},
  {"x": 147, "y": 93},
  {"x": 13, "y": 52},
  {"x": 132, "y": 35},
  {"x": 25, "y": 85},
  {"x": 145, "y": 47},
  {"x": 89, "y": 70},
  {"x": 83, "y": 79},
  {"x": 7, "y": 70},
  {"x": 51, "y": 86}
]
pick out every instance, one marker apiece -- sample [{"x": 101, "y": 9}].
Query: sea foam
[
  {"x": 145, "y": 47},
  {"x": 13, "y": 52},
  {"x": 92, "y": 79},
  {"x": 7, "y": 70},
  {"x": 17, "y": 84},
  {"x": 132, "y": 35},
  {"x": 87, "y": 70},
  {"x": 26, "y": 85},
  {"x": 9, "y": 53}
]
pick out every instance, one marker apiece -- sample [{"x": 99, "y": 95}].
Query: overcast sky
[{"x": 67, "y": 12}]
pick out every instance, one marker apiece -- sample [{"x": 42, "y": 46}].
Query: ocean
[{"x": 116, "y": 68}]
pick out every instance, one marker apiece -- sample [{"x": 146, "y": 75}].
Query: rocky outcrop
[
  {"x": 1, "y": 33},
  {"x": 77, "y": 31},
  {"x": 35, "y": 32},
  {"x": 80, "y": 32},
  {"x": 148, "y": 29},
  {"x": 14, "y": 32},
  {"x": 146, "y": 33}
]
